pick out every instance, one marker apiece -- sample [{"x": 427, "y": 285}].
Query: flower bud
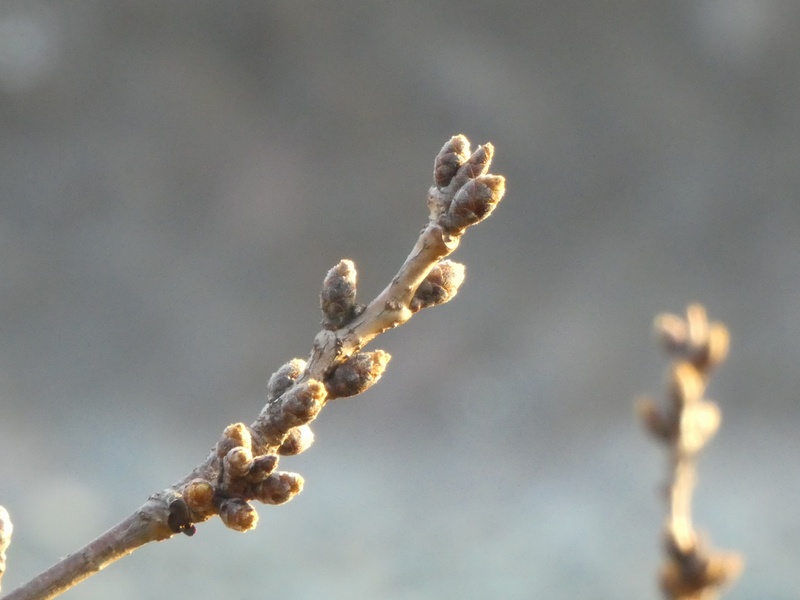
[
  {"x": 338, "y": 297},
  {"x": 475, "y": 166},
  {"x": 199, "y": 497},
  {"x": 356, "y": 374},
  {"x": 473, "y": 203},
  {"x": 452, "y": 155},
  {"x": 299, "y": 439},
  {"x": 234, "y": 436},
  {"x": 279, "y": 488},
  {"x": 262, "y": 467},
  {"x": 440, "y": 286},
  {"x": 238, "y": 514},
  {"x": 284, "y": 377}
]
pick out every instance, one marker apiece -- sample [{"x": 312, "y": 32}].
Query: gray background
[{"x": 177, "y": 177}]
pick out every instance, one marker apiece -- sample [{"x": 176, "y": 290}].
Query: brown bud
[
  {"x": 237, "y": 463},
  {"x": 659, "y": 427},
  {"x": 473, "y": 203},
  {"x": 279, "y": 488},
  {"x": 199, "y": 496},
  {"x": 297, "y": 440},
  {"x": 452, "y": 155},
  {"x": 302, "y": 404},
  {"x": 238, "y": 514},
  {"x": 475, "y": 166},
  {"x": 671, "y": 332},
  {"x": 234, "y": 436},
  {"x": 686, "y": 384},
  {"x": 262, "y": 467},
  {"x": 338, "y": 297},
  {"x": 284, "y": 377},
  {"x": 357, "y": 374},
  {"x": 440, "y": 286}
]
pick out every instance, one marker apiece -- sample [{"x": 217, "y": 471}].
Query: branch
[
  {"x": 691, "y": 571},
  {"x": 6, "y": 529},
  {"x": 242, "y": 467}
]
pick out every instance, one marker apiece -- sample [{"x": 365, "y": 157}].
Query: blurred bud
[
  {"x": 238, "y": 514},
  {"x": 656, "y": 424},
  {"x": 235, "y": 435},
  {"x": 686, "y": 384},
  {"x": 473, "y": 203},
  {"x": 297, "y": 440},
  {"x": 440, "y": 286},
  {"x": 338, "y": 297},
  {"x": 284, "y": 377},
  {"x": 699, "y": 422},
  {"x": 719, "y": 341},
  {"x": 671, "y": 332},
  {"x": 357, "y": 374},
  {"x": 279, "y": 488},
  {"x": 199, "y": 497},
  {"x": 452, "y": 155}
]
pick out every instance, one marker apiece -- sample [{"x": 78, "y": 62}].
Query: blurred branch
[
  {"x": 685, "y": 423},
  {"x": 6, "y": 529},
  {"x": 242, "y": 467}
]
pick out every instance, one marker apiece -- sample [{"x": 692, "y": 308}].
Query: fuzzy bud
[
  {"x": 473, "y": 203},
  {"x": 199, "y": 497},
  {"x": 238, "y": 462},
  {"x": 284, "y": 377},
  {"x": 303, "y": 404},
  {"x": 357, "y": 374},
  {"x": 279, "y": 488},
  {"x": 450, "y": 158},
  {"x": 338, "y": 297},
  {"x": 234, "y": 436},
  {"x": 475, "y": 166},
  {"x": 440, "y": 286},
  {"x": 262, "y": 467},
  {"x": 238, "y": 514},
  {"x": 297, "y": 440},
  {"x": 686, "y": 384}
]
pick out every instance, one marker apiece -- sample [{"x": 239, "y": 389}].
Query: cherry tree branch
[
  {"x": 685, "y": 423},
  {"x": 242, "y": 466}
]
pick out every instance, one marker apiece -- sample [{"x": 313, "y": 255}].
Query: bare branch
[
  {"x": 6, "y": 529},
  {"x": 242, "y": 466},
  {"x": 686, "y": 422}
]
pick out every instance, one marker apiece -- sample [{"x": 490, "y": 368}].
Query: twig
[
  {"x": 687, "y": 421},
  {"x": 6, "y": 529},
  {"x": 242, "y": 466}
]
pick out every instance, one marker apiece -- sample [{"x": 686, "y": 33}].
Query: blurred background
[{"x": 177, "y": 177}]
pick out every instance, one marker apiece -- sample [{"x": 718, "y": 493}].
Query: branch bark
[{"x": 242, "y": 466}]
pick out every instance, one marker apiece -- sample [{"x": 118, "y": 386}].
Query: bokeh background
[{"x": 177, "y": 177}]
